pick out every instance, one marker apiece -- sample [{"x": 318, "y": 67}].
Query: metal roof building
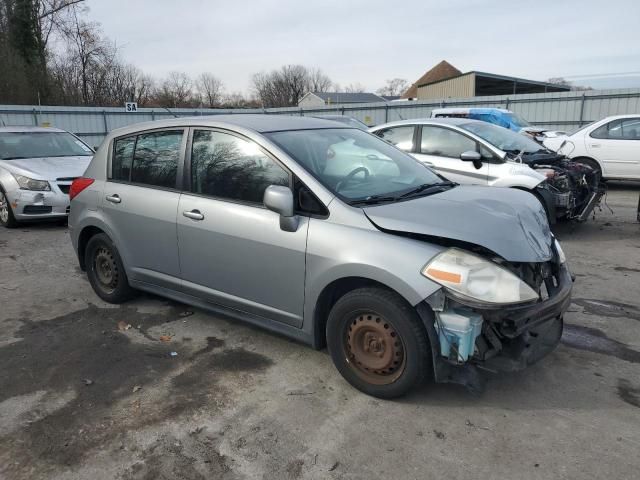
[{"x": 479, "y": 84}]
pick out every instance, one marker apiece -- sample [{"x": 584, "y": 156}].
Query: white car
[
  {"x": 611, "y": 145},
  {"x": 37, "y": 167},
  {"x": 475, "y": 152}
]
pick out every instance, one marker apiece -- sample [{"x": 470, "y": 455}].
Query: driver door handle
[
  {"x": 113, "y": 198},
  {"x": 194, "y": 215}
]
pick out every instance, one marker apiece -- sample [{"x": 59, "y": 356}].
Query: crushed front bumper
[
  {"x": 512, "y": 338},
  {"x": 33, "y": 205}
]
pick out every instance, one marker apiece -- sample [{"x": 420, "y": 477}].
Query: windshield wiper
[
  {"x": 13, "y": 158},
  {"x": 429, "y": 188},
  {"x": 373, "y": 199}
]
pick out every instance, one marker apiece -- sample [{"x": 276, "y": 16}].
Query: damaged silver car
[
  {"x": 479, "y": 153},
  {"x": 37, "y": 166},
  {"x": 276, "y": 221}
]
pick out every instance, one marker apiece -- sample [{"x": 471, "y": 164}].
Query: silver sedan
[{"x": 37, "y": 167}]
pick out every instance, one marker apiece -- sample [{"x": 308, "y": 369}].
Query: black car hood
[
  {"x": 541, "y": 158},
  {"x": 509, "y": 222}
]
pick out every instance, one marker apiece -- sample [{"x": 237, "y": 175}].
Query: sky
[{"x": 596, "y": 43}]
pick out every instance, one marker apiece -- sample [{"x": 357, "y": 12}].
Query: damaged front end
[
  {"x": 473, "y": 337},
  {"x": 575, "y": 187}
]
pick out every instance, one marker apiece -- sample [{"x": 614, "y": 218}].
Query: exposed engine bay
[{"x": 576, "y": 188}]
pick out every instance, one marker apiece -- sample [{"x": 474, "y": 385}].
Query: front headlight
[
  {"x": 27, "y": 183},
  {"x": 475, "y": 278}
]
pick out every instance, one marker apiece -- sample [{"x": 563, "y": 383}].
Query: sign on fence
[{"x": 131, "y": 107}]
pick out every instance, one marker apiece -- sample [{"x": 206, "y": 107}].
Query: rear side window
[
  {"x": 623, "y": 129},
  {"x": 148, "y": 159},
  {"x": 122, "y": 158},
  {"x": 229, "y": 167},
  {"x": 444, "y": 142},
  {"x": 401, "y": 137},
  {"x": 155, "y": 160}
]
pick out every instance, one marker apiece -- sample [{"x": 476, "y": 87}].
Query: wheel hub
[
  {"x": 106, "y": 268},
  {"x": 374, "y": 349}
]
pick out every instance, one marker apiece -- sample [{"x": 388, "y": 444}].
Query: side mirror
[
  {"x": 279, "y": 199},
  {"x": 472, "y": 156}
]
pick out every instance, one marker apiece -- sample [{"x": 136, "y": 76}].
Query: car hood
[
  {"x": 509, "y": 222},
  {"x": 48, "y": 168}
]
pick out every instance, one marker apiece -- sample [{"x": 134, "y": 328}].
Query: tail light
[{"x": 78, "y": 185}]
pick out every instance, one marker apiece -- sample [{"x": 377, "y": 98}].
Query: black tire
[
  {"x": 7, "y": 219},
  {"x": 386, "y": 312},
  {"x": 105, "y": 270}
]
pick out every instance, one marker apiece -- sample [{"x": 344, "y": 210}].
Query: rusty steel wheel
[
  {"x": 378, "y": 342},
  {"x": 374, "y": 349}
]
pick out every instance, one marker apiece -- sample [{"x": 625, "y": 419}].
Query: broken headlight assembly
[
  {"x": 472, "y": 278},
  {"x": 27, "y": 183}
]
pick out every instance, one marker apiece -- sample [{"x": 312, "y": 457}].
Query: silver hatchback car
[{"x": 403, "y": 275}]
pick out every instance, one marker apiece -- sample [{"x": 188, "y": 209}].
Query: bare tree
[
  {"x": 286, "y": 86},
  {"x": 175, "y": 90},
  {"x": 318, "y": 81},
  {"x": 86, "y": 48},
  {"x": 394, "y": 87},
  {"x": 355, "y": 88},
  {"x": 566, "y": 83},
  {"x": 210, "y": 89},
  {"x": 238, "y": 100}
]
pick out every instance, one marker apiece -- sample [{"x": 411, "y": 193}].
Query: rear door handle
[
  {"x": 194, "y": 215},
  {"x": 113, "y": 198},
  {"x": 595, "y": 145}
]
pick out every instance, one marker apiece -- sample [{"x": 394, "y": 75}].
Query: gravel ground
[{"x": 155, "y": 389}]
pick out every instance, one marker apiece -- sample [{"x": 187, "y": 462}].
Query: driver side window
[
  {"x": 444, "y": 142},
  {"x": 401, "y": 137}
]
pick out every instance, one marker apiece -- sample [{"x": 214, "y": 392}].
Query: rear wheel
[
  {"x": 6, "y": 213},
  {"x": 378, "y": 343},
  {"x": 105, "y": 270}
]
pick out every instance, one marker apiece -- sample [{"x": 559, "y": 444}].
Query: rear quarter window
[{"x": 148, "y": 158}]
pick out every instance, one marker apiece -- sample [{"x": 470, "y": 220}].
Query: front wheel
[
  {"x": 7, "y": 219},
  {"x": 595, "y": 166},
  {"x": 105, "y": 270},
  {"x": 378, "y": 343}
]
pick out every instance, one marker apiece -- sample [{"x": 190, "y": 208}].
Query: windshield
[
  {"x": 352, "y": 122},
  {"x": 517, "y": 120},
  {"x": 16, "y": 145},
  {"x": 354, "y": 164},
  {"x": 502, "y": 138}
]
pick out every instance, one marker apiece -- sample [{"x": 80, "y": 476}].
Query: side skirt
[{"x": 274, "y": 326}]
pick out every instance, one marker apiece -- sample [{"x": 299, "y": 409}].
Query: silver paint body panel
[{"x": 237, "y": 260}]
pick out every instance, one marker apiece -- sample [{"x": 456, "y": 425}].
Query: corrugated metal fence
[{"x": 560, "y": 111}]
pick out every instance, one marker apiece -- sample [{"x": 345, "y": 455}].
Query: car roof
[
  {"x": 429, "y": 121},
  {"x": 470, "y": 109},
  {"x": 25, "y": 129},
  {"x": 260, "y": 123},
  {"x": 616, "y": 117}
]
